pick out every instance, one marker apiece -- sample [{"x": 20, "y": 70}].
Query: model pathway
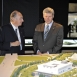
[{"x": 7, "y": 66}]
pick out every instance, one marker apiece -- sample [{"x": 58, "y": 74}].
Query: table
[{"x": 23, "y": 65}]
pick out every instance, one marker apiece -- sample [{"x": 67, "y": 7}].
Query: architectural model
[{"x": 55, "y": 67}]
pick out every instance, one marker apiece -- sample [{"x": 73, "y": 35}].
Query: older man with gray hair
[{"x": 12, "y": 35}]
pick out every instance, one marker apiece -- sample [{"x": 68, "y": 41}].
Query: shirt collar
[
  {"x": 50, "y": 24},
  {"x": 14, "y": 27}
]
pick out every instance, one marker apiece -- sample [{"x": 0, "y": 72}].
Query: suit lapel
[
  {"x": 42, "y": 29},
  {"x": 12, "y": 31}
]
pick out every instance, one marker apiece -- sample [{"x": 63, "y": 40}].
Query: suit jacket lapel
[
  {"x": 12, "y": 31},
  {"x": 43, "y": 31}
]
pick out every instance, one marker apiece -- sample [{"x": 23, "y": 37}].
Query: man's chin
[{"x": 20, "y": 25}]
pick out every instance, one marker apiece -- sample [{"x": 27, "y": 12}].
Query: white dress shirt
[
  {"x": 18, "y": 35},
  {"x": 50, "y": 24}
]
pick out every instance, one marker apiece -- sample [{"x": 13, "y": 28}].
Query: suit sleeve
[
  {"x": 35, "y": 41},
  {"x": 4, "y": 45},
  {"x": 59, "y": 42}
]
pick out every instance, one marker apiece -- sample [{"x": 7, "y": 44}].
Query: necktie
[
  {"x": 46, "y": 32},
  {"x": 16, "y": 32},
  {"x": 18, "y": 36}
]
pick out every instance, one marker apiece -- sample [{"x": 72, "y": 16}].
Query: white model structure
[{"x": 55, "y": 67}]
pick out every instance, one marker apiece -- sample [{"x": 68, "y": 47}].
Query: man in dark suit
[
  {"x": 48, "y": 41},
  {"x": 12, "y": 36}
]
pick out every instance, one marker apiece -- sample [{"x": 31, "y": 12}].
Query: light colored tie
[
  {"x": 18, "y": 36},
  {"x": 46, "y": 32}
]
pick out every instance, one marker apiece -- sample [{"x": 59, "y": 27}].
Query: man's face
[
  {"x": 48, "y": 17},
  {"x": 18, "y": 19}
]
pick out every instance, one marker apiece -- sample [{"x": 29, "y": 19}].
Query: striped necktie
[{"x": 46, "y": 32}]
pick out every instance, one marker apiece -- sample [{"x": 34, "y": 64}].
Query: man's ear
[{"x": 12, "y": 18}]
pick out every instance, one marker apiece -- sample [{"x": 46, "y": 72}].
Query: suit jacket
[
  {"x": 8, "y": 35},
  {"x": 54, "y": 39}
]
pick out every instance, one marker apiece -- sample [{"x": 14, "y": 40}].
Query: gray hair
[
  {"x": 48, "y": 10},
  {"x": 13, "y": 14}
]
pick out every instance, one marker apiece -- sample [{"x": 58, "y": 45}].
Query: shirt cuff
[
  {"x": 47, "y": 52},
  {"x": 38, "y": 51}
]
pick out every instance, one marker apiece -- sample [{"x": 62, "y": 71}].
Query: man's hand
[
  {"x": 39, "y": 53},
  {"x": 16, "y": 43},
  {"x": 45, "y": 53}
]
